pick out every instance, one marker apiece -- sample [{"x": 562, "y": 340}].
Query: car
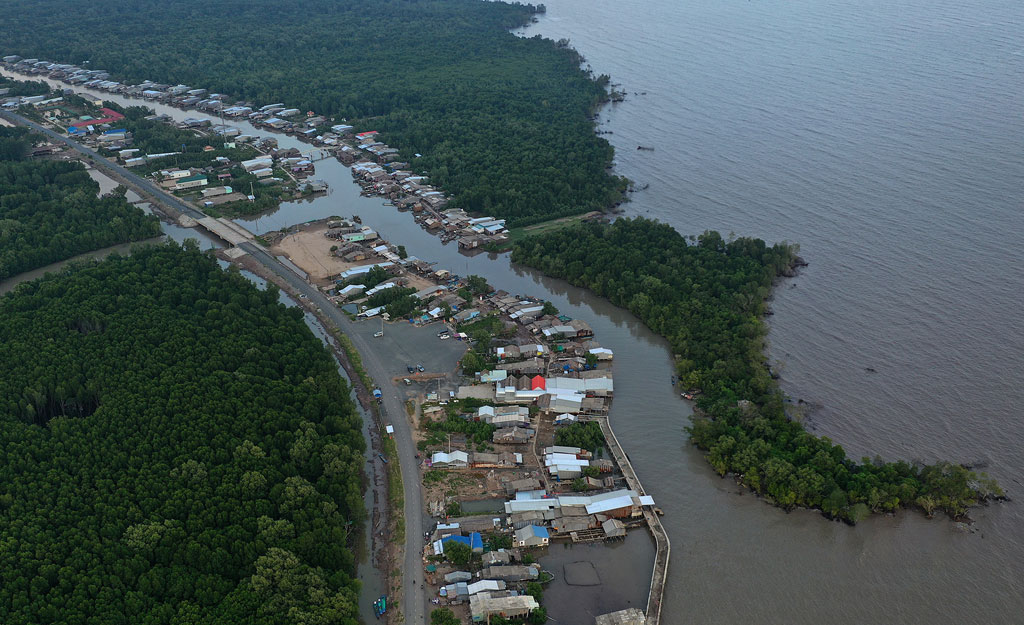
[
  {"x": 445, "y": 337},
  {"x": 410, "y": 368},
  {"x": 378, "y": 334},
  {"x": 407, "y": 381},
  {"x": 420, "y": 368}
]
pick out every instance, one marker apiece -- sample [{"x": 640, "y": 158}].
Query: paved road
[{"x": 415, "y": 603}]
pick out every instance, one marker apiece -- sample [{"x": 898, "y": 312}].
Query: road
[{"x": 414, "y": 601}]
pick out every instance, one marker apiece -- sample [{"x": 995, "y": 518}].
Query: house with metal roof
[
  {"x": 452, "y": 459},
  {"x": 532, "y": 536},
  {"x": 483, "y": 606}
]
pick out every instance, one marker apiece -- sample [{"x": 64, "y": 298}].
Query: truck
[{"x": 378, "y": 395}]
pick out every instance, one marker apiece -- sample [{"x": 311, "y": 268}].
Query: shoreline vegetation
[
  {"x": 177, "y": 447},
  {"x": 501, "y": 123},
  {"x": 707, "y": 296}
]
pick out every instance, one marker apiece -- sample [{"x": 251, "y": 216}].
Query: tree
[
  {"x": 477, "y": 284},
  {"x": 402, "y": 253},
  {"x": 549, "y": 309},
  {"x": 579, "y": 484},
  {"x": 457, "y": 553},
  {"x": 471, "y": 363},
  {"x": 443, "y": 616},
  {"x": 535, "y": 590},
  {"x": 50, "y": 210}
]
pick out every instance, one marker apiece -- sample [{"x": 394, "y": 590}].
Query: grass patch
[
  {"x": 518, "y": 234},
  {"x": 435, "y": 476}
]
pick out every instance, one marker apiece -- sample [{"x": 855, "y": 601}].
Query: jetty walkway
[{"x": 663, "y": 547}]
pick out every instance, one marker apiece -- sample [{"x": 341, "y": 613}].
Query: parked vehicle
[{"x": 378, "y": 334}]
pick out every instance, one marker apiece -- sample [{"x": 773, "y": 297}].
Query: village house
[
  {"x": 511, "y": 572},
  {"x": 512, "y": 436},
  {"x": 191, "y": 182},
  {"x": 532, "y": 536},
  {"x": 483, "y": 606}
]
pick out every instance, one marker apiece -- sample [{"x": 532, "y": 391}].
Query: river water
[{"x": 885, "y": 139}]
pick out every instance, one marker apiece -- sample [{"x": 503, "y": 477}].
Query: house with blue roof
[
  {"x": 474, "y": 541},
  {"x": 532, "y": 536}
]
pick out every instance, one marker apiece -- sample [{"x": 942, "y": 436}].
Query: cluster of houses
[
  {"x": 576, "y": 516},
  {"x": 561, "y": 369},
  {"x": 497, "y": 588},
  {"x": 376, "y": 168},
  {"x": 358, "y": 243},
  {"x": 275, "y": 116},
  {"x": 534, "y": 519}
]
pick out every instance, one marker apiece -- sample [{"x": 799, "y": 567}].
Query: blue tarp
[{"x": 474, "y": 541}]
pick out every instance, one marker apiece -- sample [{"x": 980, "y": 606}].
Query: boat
[
  {"x": 686, "y": 395},
  {"x": 380, "y": 606}
]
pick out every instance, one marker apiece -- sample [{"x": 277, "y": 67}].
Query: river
[{"x": 885, "y": 139}]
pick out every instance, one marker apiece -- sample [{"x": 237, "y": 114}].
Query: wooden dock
[{"x": 663, "y": 547}]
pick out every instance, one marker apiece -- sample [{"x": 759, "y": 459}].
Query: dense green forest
[
  {"x": 501, "y": 121},
  {"x": 706, "y": 296},
  {"x": 49, "y": 210},
  {"x": 175, "y": 448}
]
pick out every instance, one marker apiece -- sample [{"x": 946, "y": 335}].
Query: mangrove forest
[{"x": 706, "y": 295}]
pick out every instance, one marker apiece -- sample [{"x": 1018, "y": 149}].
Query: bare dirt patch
[{"x": 311, "y": 251}]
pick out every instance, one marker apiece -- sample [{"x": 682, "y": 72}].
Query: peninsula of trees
[
  {"x": 501, "y": 122},
  {"x": 175, "y": 447},
  {"x": 49, "y": 210},
  {"x": 706, "y": 296}
]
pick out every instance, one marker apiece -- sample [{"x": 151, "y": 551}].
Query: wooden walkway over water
[{"x": 663, "y": 547}]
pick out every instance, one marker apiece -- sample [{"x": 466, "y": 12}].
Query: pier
[{"x": 662, "y": 545}]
